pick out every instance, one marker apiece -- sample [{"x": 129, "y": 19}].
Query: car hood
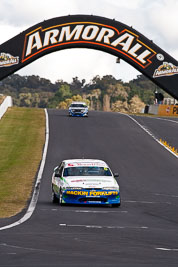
[{"x": 91, "y": 181}]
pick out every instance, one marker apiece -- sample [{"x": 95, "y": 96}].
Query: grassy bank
[{"x": 22, "y": 135}]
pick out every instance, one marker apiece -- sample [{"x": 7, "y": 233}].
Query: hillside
[{"x": 103, "y": 93}]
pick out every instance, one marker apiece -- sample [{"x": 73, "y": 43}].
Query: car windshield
[
  {"x": 78, "y": 106},
  {"x": 87, "y": 171}
]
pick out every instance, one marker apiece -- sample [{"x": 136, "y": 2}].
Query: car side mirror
[
  {"x": 116, "y": 175},
  {"x": 56, "y": 168}
]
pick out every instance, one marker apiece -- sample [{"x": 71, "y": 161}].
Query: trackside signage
[
  {"x": 91, "y": 32},
  {"x": 125, "y": 41},
  {"x": 168, "y": 110}
]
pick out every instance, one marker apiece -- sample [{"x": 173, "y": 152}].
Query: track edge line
[{"x": 149, "y": 133}]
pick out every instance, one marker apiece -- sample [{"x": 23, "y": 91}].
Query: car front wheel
[
  {"x": 116, "y": 205},
  {"x": 60, "y": 198},
  {"x": 54, "y": 198}
]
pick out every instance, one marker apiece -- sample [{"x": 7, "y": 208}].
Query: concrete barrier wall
[
  {"x": 153, "y": 109},
  {"x": 5, "y": 105}
]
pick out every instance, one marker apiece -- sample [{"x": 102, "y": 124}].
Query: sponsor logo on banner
[
  {"x": 175, "y": 110},
  {"x": 168, "y": 109},
  {"x": 7, "y": 60},
  {"x": 125, "y": 42},
  {"x": 166, "y": 69}
]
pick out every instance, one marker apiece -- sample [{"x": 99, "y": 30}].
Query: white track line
[
  {"x": 168, "y": 249},
  {"x": 164, "y": 119},
  {"x": 146, "y": 202},
  {"x": 97, "y": 211},
  {"x": 150, "y": 133},
  {"x": 102, "y": 226},
  {"x": 35, "y": 195}
]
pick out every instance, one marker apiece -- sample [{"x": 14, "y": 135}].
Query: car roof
[{"x": 84, "y": 162}]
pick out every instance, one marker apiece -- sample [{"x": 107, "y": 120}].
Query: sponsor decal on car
[
  {"x": 7, "y": 60},
  {"x": 86, "y": 164},
  {"x": 166, "y": 69},
  {"x": 125, "y": 41},
  {"x": 91, "y": 193}
]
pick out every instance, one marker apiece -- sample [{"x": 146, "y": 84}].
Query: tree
[
  {"x": 120, "y": 106},
  {"x": 136, "y": 105},
  {"x": 77, "y": 85},
  {"x": 65, "y": 104},
  {"x": 25, "y": 99},
  {"x": 64, "y": 92},
  {"x": 143, "y": 88}
]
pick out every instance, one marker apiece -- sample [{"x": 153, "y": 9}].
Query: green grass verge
[{"x": 22, "y": 136}]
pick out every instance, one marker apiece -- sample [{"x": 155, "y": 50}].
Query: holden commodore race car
[
  {"x": 85, "y": 181},
  {"x": 78, "y": 109}
]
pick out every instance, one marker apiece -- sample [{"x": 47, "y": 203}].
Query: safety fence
[{"x": 162, "y": 110}]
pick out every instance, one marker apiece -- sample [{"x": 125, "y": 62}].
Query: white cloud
[
  {"x": 29, "y": 12},
  {"x": 7, "y": 31},
  {"x": 129, "y": 4},
  {"x": 165, "y": 21}
]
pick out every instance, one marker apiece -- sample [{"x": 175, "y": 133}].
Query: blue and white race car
[
  {"x": 85, "y": 181},
  {"x": 78, "y": 109}
]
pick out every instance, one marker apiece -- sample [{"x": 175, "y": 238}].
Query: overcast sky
[{"x": 156, "y": 19}]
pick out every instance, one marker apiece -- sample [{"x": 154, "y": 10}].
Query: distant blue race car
[{"x": 78, "y": 109}]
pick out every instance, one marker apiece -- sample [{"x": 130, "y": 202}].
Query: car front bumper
[
  {"x": 84, "y": 196},
  {"x": 78, "y": 114}
]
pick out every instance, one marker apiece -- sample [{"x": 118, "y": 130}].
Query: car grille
[{"x": 77, "y": 110}]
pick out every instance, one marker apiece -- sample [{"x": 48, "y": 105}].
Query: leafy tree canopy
[{"x": 34, "y": 91}]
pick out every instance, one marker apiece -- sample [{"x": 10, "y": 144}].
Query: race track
[{"x": 142, "y": 232}]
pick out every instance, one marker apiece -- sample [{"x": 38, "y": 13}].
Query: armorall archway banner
[{"x": 94, "y": 32}]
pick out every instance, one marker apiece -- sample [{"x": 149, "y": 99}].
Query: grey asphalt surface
[
  {"x": 142, "y": 232},
  {"x": 165, "y": 128}
]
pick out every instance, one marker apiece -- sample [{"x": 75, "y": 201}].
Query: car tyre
[
  {"x": 54, "y": 198},
  {"x": 60, "y": 198},
  {"x": 116, "y": 205}
]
